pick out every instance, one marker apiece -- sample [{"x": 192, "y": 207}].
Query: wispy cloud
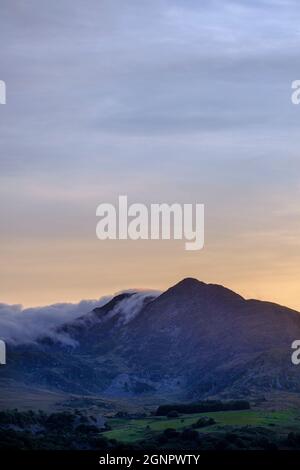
[{"x": 18, "y": 325}]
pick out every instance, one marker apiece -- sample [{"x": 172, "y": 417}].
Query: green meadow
[{"x": 132, "y": 430}]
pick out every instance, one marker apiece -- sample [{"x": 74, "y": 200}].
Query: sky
[{"x": 164, "y": 101}]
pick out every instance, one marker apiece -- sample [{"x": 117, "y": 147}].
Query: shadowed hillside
[{"x": 193, "y": 341}]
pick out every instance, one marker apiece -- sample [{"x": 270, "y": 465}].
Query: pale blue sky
[{"x": 166, "y": 100}]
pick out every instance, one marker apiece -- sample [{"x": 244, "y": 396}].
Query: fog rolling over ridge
[
  {"x": 19, "y": 326},
  {"x": 195, "y": 340}
]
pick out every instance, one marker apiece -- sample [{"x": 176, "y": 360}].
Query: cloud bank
[{"x": 19, "y": 325}]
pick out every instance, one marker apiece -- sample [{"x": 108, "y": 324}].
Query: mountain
[{"x": 193, "y": 341}]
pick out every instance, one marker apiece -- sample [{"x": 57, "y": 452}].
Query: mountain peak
[
  {"x": 190, "y": 282},
  {"x": 195, "y": 340},
  {"x": 191, "y": 287},
  {"x": 186, "y": 287}
]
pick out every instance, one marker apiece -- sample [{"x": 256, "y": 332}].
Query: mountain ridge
[{"x": 194, "y": 340}]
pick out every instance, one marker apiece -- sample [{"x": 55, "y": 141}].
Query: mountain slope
[{"x": 194, "y": 340}]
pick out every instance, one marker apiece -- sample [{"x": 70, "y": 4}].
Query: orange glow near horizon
[{"x": 42, "y": 273}]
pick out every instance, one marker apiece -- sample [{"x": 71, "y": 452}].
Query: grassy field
[{"x": 132, "y": 430}]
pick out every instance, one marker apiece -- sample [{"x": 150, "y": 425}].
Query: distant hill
[{"x": 194, "y": 341}]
